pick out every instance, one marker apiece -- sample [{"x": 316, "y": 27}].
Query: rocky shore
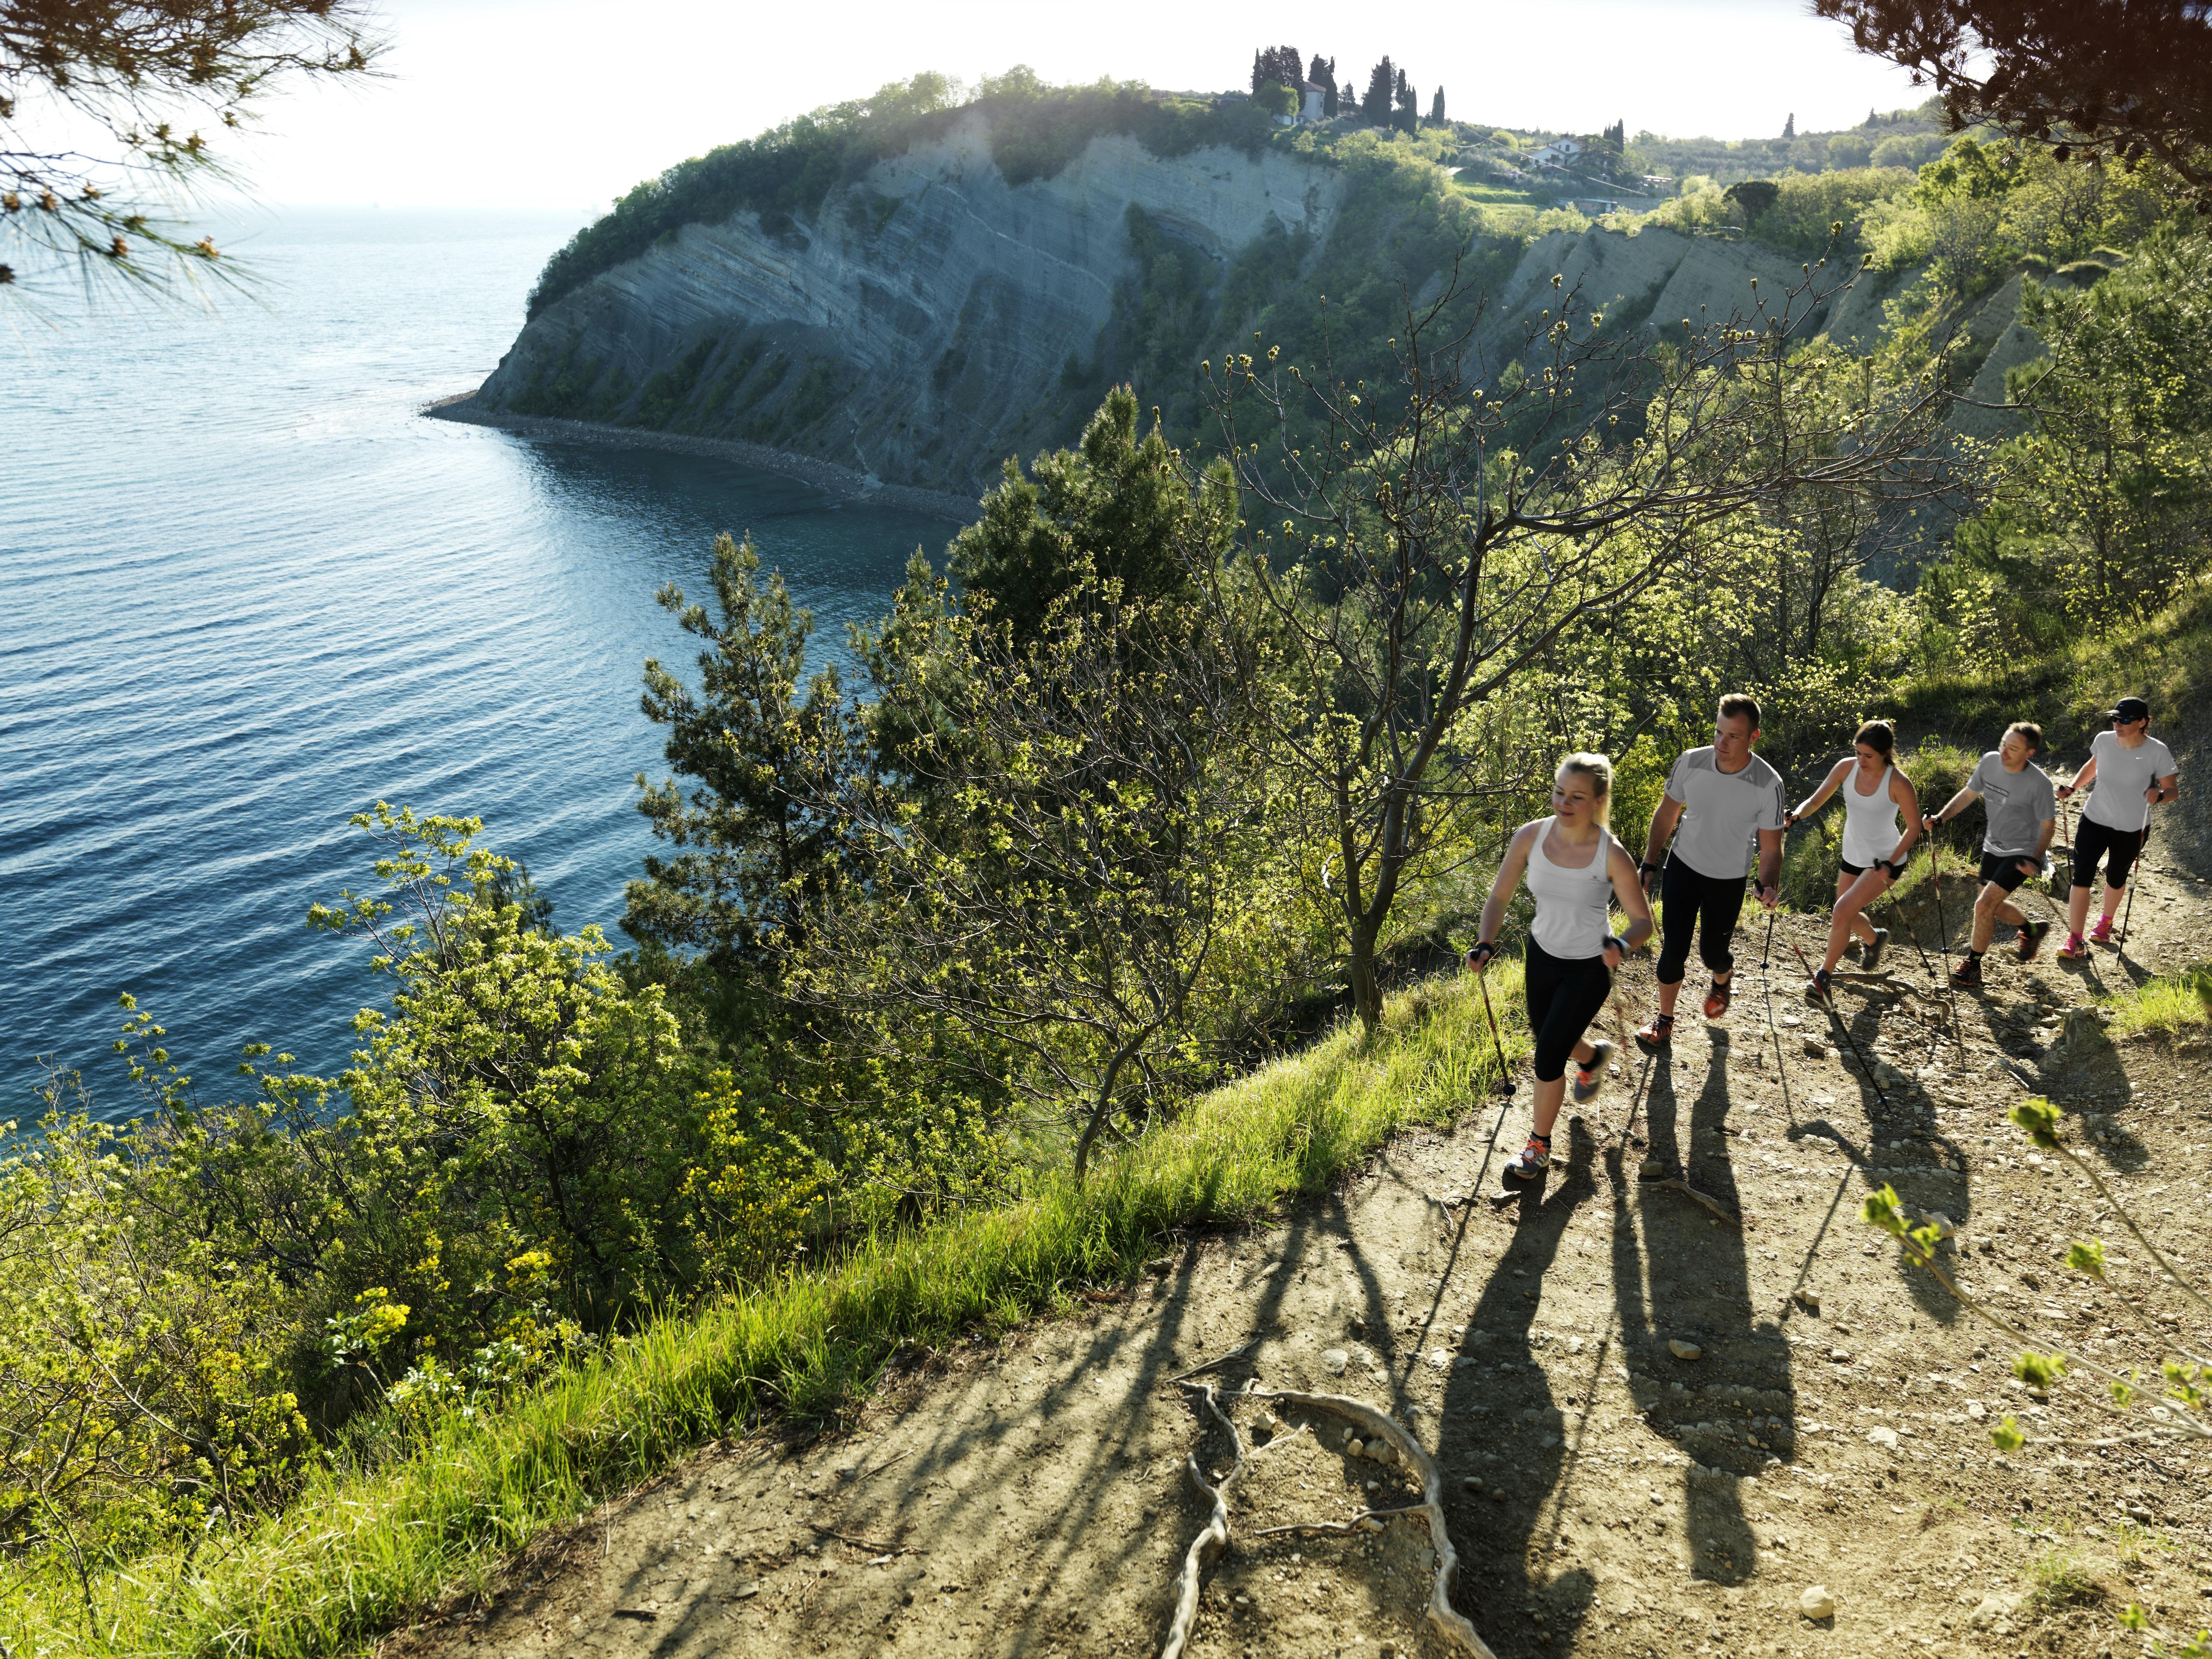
[{"x": 845, "y": 481}]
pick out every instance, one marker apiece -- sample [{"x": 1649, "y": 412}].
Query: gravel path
[{"x": 1659, "y": 1431}]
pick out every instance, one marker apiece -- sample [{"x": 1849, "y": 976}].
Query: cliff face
[{"x": 927, "y": 322}]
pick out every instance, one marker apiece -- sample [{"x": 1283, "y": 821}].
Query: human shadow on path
[
  {"x": 1731, "y": 1407},
  {"x": 1501, "y": 1425}
]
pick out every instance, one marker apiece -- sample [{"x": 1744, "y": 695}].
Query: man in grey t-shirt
[
  {"x": 1719, "y": 800},
  {"x": 2023, "y": 812}
]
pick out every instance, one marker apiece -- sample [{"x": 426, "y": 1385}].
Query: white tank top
[
  {"x": 1872, "y": 824},
  {"x": 1570, "y": 904}
]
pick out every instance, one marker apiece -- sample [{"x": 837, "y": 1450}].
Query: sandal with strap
[
  {"x": 1659, "y": 1033},
  {"x": 1717, "y": 999}
]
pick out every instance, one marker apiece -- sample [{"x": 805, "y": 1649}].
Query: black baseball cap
[{"x": 2129, "y": 709}]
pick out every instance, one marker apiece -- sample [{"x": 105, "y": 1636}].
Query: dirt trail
[{"x": 1607, "y": 1496}]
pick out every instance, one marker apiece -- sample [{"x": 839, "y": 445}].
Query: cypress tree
[
  {"x": 1437, "y": 108},
  {"x": 1382, "y": 82}
]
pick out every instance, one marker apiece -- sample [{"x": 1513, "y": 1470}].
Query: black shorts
[
  {"x": 1855, "y": 871},
  {"x": 2003, "y": 868},
  {"x": 2117, "y": 848}
]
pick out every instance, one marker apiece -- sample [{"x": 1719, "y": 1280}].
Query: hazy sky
[{"x": 567, "y": 103}]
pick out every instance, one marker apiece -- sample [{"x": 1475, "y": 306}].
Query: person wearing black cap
[
  {"x": 2022, "y": 814},
  {"x": 2129, "y": 774}
]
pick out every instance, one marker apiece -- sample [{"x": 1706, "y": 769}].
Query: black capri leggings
[
  {"x": 2117, "y": 847},
  {"x": 1688, "y": 896},
  {"x": 1565, "y": 995}
]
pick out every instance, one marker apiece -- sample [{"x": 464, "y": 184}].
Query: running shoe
[
  {"x": 1534, "y": 1159},
  {"x": 1820, "y": 988},
  {"x": 2030, "y": 940},
  {"x": 1589, "y": 1079},
  {"x": 1967, "y": 975},
  {"x": 1659, "y": 1033},
  {"x": 2076, "y": 949},
  {"x": 1717, "y": 999},
  {"x": 1870, "y": 958},
  {"x": 2102, "y": 932}
]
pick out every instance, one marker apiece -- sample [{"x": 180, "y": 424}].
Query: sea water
[{"x": 249, "y": 592}]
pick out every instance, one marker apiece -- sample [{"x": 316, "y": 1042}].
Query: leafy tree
[
  {"x": 1276, "y": 99},
  {"x": 1117, "y": 508},
  {"x": 1065, "y": 911},
  {"x": 1754, "y": 197},
  {"x": 1382, "y": 89},
  {"x": 1279, "y": 66},
  {"x": 1422, "y": 553},
  {"x": 2104, "y": 513},
  {"x": 754, "y": 851},
  {"x": 143, "y": 74},
  {"x": 2106, "y": 78}
]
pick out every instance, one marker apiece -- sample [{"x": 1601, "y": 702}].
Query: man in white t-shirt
[
  {"x": 1719, "y": 800},
  {"x": 2129, "y": 774}
]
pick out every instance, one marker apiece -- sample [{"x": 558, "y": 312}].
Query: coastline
[{"x": 837, "y": 480}]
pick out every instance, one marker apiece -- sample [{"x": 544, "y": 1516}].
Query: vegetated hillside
[
  {"x": 920, "y": 292},
  {"x": 934, "y": 311}
]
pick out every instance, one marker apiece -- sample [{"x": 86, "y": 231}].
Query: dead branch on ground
[
  {"x": 1213, "y": 1538},
  {"x": 1379, "y": 1424}
]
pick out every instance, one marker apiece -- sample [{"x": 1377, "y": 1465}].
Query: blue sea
[{"x": 249, "y": 591}]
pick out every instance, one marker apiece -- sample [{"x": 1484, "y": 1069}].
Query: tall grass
[
  {"x": 359, "y": 1550},
  {"x": 2173, "y": 1004}
]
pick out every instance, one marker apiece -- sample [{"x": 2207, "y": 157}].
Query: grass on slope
[
  {"x": 2166, "y": 659},
  {"x": 2173, "y": 1004},
  {"x": 357, "y": 1552}
]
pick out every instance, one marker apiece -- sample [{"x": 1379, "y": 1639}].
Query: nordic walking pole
[
  {"x": 1943, "y": 928},
  {"x": 1837, "y": 1020},
  {"x": 2142, "y": 863},
  {"x": 1505, "y": 1084}
]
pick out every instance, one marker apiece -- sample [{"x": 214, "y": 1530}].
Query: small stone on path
[
  {"x": 1335, "y": 1360},
  {"x": 1682, "y": 1350},
  {"x": 1884, "y": 1438},
  {"x": 1815, "y": 1602}
]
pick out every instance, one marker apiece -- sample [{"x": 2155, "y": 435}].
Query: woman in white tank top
[
  {"x": 1573, "y": 866},
  {"x": 1881, "y": 821}
]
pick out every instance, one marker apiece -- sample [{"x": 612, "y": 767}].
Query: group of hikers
[{"x": 1723, "y": 818}]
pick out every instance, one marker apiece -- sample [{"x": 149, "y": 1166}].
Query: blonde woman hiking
[
  {"x": 1573, "y": 866},
  {"x": 1881, "y": 820}
]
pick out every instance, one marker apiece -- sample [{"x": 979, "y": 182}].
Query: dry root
[
  {"x": 1379, "y": 1426},
  {"x": 1213, "y": 1538},
  {"x": 1676, "y": 1184}
]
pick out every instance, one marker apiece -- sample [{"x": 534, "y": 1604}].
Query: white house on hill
[
  {"x": 1311, "y": 97},
  {"x": 1557, "y": 153}
]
